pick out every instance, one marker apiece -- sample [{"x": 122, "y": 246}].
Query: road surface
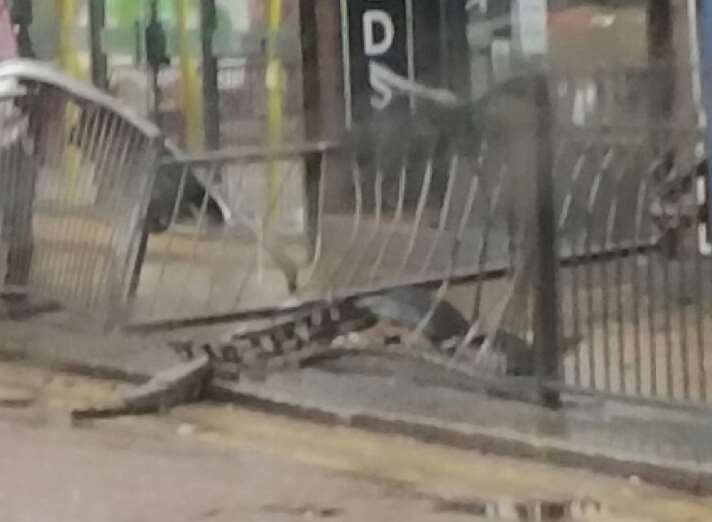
[{"x": 221, "y": 463}]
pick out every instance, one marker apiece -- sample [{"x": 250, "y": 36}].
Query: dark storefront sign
[
  {"x": 391, "y": 45},
  {"x": 378, "y": 37}
]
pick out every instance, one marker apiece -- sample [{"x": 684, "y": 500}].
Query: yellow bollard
[
  {"x": 274, "y": 82},
  {"x": 190, "y": 81},
  {"x": 70, "y": 64},
  {"x": 67, "y": 9},
  {"x": 274, "y": 79}
]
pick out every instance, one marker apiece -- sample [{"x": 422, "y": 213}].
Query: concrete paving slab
[
  {"x": 672, "y": 447},
  {"x": 220, "y": 463}
]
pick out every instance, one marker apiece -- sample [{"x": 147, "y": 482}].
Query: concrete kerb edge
[
  {"x": 496, "y": 443},
  {"x": 660, "y": 474}
]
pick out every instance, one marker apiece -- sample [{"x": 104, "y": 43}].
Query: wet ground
[
  {"x": 223, "y": 463},
  {"x": 146, "y": 472}
]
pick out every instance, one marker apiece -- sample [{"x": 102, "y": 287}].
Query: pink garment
[{"x": 8, "y": 44}]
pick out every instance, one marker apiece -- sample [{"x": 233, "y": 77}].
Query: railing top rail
[
  {"x": 250, "y": 154},
  {"x": 36, "y": 71}
]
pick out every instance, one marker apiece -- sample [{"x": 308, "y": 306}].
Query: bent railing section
[{"x": 77, "y": 171}]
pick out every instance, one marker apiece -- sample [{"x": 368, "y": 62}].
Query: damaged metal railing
[
  {"x": 514, "y": 239},
  {"x": 76, "y": 171}
]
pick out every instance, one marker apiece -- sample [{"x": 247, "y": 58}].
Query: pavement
[
  {"x": 667, "y": 446},
  {"x": 224, "y": 463}
]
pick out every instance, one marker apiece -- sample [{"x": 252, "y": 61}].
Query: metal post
[
  {"x": 705, "y": 38},
  {"x": 138, "y": 264},
  {"x": 156, "y": 56},
  {"x": 211, "y": 93},
  {"x": 546, "y": 335},
  {"x": 445, "y": 80},
  {"x": 311, "y": 93},
  {"x": 99, "y": 64},
  {"x": 660, "y": 29},
  {"x": 138, "y": 44},
  {"x": 660, "y": 55}
]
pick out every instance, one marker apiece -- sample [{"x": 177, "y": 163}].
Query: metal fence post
[
  {"x": 312, "y": 106},
  {"x": 705, "y": 42},
  {"x": 99, "y": 63},
  {"x": 314, "y": 163},
  {"x": 211, "y": 91},
  {"x": 546, "y": 325}
]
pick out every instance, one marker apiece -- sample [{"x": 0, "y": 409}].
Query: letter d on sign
[{"x": 370, "y": 19}]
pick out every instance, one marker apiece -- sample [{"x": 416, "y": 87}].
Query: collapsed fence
[
  {"x": 564, "y": 235},
  {"x": 74, "y": 186}
]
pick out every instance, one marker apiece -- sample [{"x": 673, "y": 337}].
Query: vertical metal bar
[
  {"x": 410, "y": 48},
  {"x": 51, "y": 102},
  {"x": 346, "y": 59},
  {"x": 397, "y": 219},
  {"x": 15, "y": 273},
  {"x": 138, "y": 46},
  {"x": 47, "y": 150},
  {"x": 356, "y": 179},
  {"x": 588, "y": 270},
  {"x": 575, "y": 286},
  {"x": 681, "y": 301},
  {"x": 700, "y": 288},
  {"x": 197, "y": 236},
  {"x": 640, "y": 212},
  {"x": 313, "y": 179},
  {"x": 620, "y": 319},
  {"x": 482, "y": 254},
  {"x": 317, "y": 225},
  {"x": 222, "y": 252},
  {"x": 605, "y": 316},
  {"x": 652, "y": 341},
  {"x": 312, "y": 106},
  {"x": 99, "y": 64},
  {"x": 443, "y": 45},
  {"x": 705, "y": 38},
  {"x": 453, "y": 169},
  {"x": 184, "y": 173},
  {"x": 367, "y": 245},
  {"x": 700, "y": 284},
  {"x": 546, "y": 341},
  {"x": 211, "y": 92},
  {"x": 140, "y": 257},
  {"x": 660, "y": 49},
  {"x": 138, "y": 264},
  {"x": 667, "y": 312},
  {"x": 311, "y": 84},
  {"x": 113, "y": 285},
  {"x": 91, "y": 228},
  {"x": 682, "y": 316},
  {"x": 705, "y": 73},
  {"x": 611, "y": 221},
  {"x": 420, "y": 209},
  {"x": 5, "y": 200}
]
